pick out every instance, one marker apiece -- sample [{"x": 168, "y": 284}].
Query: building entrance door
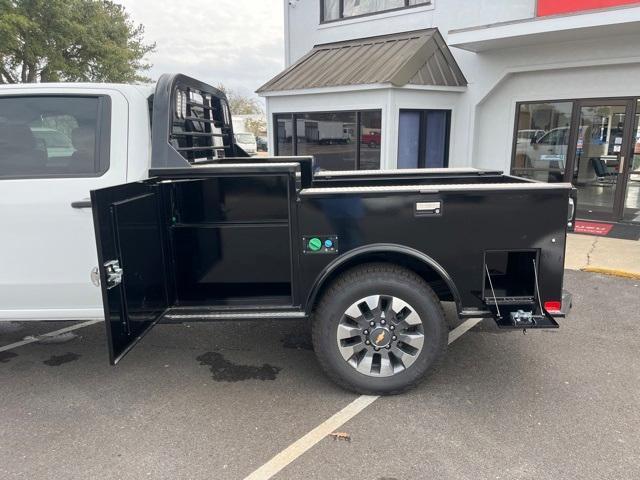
[
  {"x": 598, "y": 165},
  {"x": 631, "y": 212}
]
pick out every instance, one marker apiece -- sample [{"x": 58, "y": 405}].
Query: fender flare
[{"x": 351, "y": 255}]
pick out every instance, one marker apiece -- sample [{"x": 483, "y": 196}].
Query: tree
[
  {"x": 70, "y": 40},
  {"x": 257, "y": 126},
  {"x": 241, "y": 104}
]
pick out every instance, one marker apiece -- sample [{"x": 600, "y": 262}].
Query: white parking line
[
  {"x": 55, "y": 333},
  {"x": 297, "y": 448},
  {"x": 463, "y": 328}
]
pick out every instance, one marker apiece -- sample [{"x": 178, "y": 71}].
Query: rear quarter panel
[{"x": 470, "y": 223}]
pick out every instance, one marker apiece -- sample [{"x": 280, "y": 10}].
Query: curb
[{"x": 612, "y": 272}]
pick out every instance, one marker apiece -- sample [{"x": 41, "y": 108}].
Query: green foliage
[
  {"x": 240, "y": 104},
  {"x": 70, "y": 40}
]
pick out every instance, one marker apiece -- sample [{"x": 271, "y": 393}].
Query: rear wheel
[{"x": 378, "y": 329}]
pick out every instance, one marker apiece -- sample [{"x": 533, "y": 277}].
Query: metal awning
[{"x": 419, "y": 57}]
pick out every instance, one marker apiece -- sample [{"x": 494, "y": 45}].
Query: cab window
[{"x": 54, "y": 136}]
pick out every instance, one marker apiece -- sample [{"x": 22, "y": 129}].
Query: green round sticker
[{"x": 315, "y": 244}]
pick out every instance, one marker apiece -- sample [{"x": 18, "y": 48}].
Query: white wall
[{"x": 303, "y": 29}]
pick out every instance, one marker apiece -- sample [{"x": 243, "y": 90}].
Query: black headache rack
[{"x": 191, "y": 124}]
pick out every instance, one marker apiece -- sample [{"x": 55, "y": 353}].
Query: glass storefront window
[
  {"x": 370, "y": 140},
  {"x": 632, "y": 198},
  {"x": 284, "y": 134},
  {"x": 542, "y": 140},
  {"x": 330, "y": 138},
  {"x": 336, "y": 140}
]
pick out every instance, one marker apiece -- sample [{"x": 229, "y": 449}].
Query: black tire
[{"x": 385, "y": 280}]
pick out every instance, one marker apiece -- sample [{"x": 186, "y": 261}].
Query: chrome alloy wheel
[{"x": 380, "y": 335}]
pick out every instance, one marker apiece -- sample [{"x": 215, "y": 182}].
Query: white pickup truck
[{"x": 57, "y": 143}]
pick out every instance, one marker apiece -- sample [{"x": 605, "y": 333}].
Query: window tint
[
  {"x": 423, "y": 138},
  {"x": 436, "y": 138},
  {"x": 408, "y": 139},
  {"x": 53, "y": 136},
  {"x": 542, "y": 140}
]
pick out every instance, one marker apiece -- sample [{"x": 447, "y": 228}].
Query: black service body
[{"x": 237, "y": 238}]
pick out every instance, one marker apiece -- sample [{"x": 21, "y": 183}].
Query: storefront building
[{"x": 545, "y": 89}]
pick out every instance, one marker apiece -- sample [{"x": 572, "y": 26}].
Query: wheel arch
[{"x": 423, "y": 265}]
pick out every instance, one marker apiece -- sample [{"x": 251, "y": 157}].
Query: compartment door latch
[
  {"x": 428, "y": 208},
  {"x": 114, "y": 273}
]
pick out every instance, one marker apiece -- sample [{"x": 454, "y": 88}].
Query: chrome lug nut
[
  {"x": 366, "y": 332},
  {"x": 389, "y": 347},
  {"x": 372, "y": 323},
  {"x": 383, "y": 321},
  {"x": 367, "y": 342},
  {"x": 392, "y": 327},
  {"x": 394, "y": 338},
  {"x": 376, "y": 348}
]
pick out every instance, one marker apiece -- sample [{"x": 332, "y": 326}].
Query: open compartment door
[{"x": 133, "y": 277}]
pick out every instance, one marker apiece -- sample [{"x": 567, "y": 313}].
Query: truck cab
[{"x": 58, "y": 142}]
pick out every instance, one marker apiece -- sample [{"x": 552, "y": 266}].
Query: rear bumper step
[{"x": 518, "y": 313}]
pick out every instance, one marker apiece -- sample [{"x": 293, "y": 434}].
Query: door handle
[{"x": 81, "y": 204}]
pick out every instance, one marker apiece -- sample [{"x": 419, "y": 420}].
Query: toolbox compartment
[{"x": 510, "y": 289}]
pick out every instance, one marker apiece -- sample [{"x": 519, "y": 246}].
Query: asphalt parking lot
[{"x": 217, "y": 401}]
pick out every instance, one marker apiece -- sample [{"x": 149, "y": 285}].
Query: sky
[{"x": 238, "y": 43}]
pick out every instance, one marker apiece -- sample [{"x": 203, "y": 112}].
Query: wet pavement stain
[
  {"x": 57, "y": 360},
  {"x": 297, "y": 341},
  {"x": 62, "y": 338},
  {"x": 6, "y": 356},
  {"x": 223, "y": 370}
]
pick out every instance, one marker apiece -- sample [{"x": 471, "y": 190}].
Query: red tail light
[{"x": 553, "y": 306}]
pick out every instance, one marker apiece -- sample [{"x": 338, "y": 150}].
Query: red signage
[{"x": 555, "y": 7}]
